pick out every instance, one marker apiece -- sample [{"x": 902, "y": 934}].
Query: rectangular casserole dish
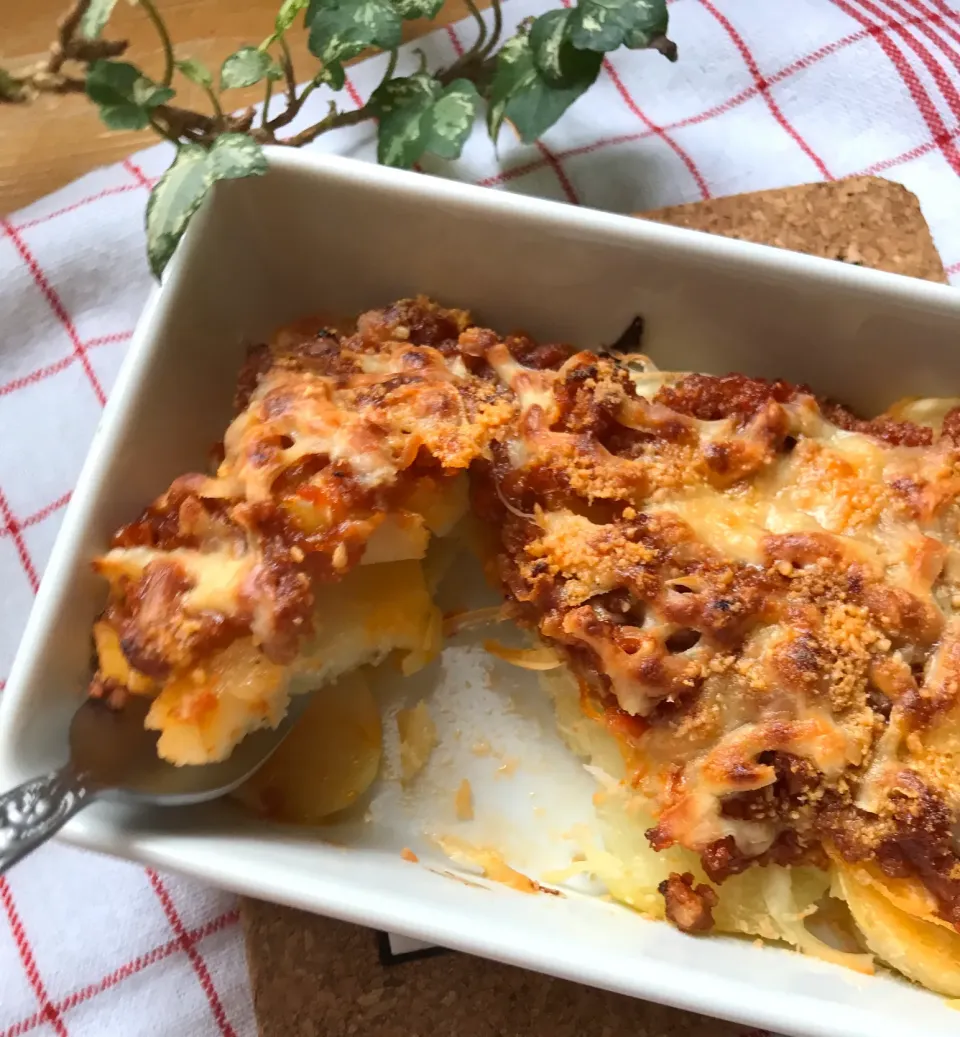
[{"x": 321, "y": 233}]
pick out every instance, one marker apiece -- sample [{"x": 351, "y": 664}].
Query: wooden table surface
[{"x": 47, "y": 144}]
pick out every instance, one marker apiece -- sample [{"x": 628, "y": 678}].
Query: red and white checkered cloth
[{"x": 767, "y": 93}]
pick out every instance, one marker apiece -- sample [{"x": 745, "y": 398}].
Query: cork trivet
[
  {"x": 863, "y": 220},
  {"x": 315, "y": 976}
]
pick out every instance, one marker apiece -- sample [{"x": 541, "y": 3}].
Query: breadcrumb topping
[{"x": 757, "y": 590}]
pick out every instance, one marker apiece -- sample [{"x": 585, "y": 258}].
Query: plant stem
[
  {"x": 181, "y": 122},
  {"x": 268, "y": 93},
  {"x": 163, "y": 132},
  {"x": 294, "y": 106},
  {"x": 307, "y": 91},
  {"x": 294, "y": 103},
  {"x": 334, "y": 121},
  {"x": 215, "y": 101},
  {"x": 497, "y": 27},
  {"x": 66, "y": 31},
  {"x": 481, "y": 27},
  {"x": 286, "y": 63},
  {"x": 154, "y": 15},
  {"x": 391, "y": 66}
]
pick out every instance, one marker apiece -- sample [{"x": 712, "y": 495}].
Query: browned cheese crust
[
  {"x": 756, "y": 589},
  {"x": 335, "y": 431}
]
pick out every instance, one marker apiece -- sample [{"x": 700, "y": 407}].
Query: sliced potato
[
  {"x": 399, "y": 537},
  {"x": 376, "y": 609},
  {"x": 924, "y": 951},
  {"x": 113, "y": 663},
  {"x": 326, "y": 763},
  {"x": 202, "y": 715}
]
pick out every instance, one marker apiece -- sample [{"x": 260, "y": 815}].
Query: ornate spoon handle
[{"x": 32, "y": 812}]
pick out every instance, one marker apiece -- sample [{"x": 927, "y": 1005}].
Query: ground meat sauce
[
  {"x": 950, "y": 429},
  {"x": 711, "y": 605},
  {"x": 713, "y": 398},
  {"x": 689, "y": 907},
  {"x": 757, "y": 672},
  {"x": 896, "y": 433}
]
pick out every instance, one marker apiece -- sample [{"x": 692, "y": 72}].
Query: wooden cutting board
[{"x": 315, "y": 976}]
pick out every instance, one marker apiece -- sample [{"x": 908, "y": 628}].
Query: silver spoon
[{"x": 113, "y": 757}]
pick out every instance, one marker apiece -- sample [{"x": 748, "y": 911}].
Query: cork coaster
[
  {"x": 863, "y": 220},
  {"x": 315, "y": 976}
]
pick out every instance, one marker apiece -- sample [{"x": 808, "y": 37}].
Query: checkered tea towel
[{"x": 766, "y": 93}]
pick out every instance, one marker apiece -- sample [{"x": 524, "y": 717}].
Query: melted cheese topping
[
  {"x": 347, "y": 451},
  {"x": 768, "y": 593},
  {"x": 758, "y": 593}
]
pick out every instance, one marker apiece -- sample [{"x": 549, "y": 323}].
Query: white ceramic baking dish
[{"x": 320, "y": 233}]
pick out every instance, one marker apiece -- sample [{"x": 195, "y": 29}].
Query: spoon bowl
[{"x": 112, "y": 755}]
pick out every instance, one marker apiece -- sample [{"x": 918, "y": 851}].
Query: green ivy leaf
[
  {"x": 246, "y": 67},
  {"x": 182, "y": 189},
  {"x": 523, "y": 94},
  {"x": 95, "y": 18},
  {"x": 604, "y": 25},
  {"x": 555, "y": 56},
  {"x": 287, "y": 14},
  {"x": 535, "y": 110},
  {"x": 124, "y": 94},
  {"x": 173, "y": 201},
  {"x": 400, "y": 105},
  {"x": 547, "y": 39},
  {"x": 410, "y": 9},
  {"x": 512, "y": 73},
  {"x": 449, "y": 121},
  {"x": 417, "y": 114},
  {"x": 333, "y": 75},
  {"x": 236, "y": 155},
  {"x": 342, "y": 29},
  {"x": 196, "y": 71}
]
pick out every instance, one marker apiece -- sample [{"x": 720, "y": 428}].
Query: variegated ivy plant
[{"x": 529, "y": 81}]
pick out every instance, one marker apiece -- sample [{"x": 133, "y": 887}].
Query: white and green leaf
[
  {"x": 556, "y": 58},
  {"x": 176, "y": 197},
  {"x": 287, "y": 14},
  {"x": 410, "y": 9},
  {"x": 124, "y": 95},
  {"x": 95, "y": 18},
  {"x": 417, "y": 114},
  {"x": 342, "y": 29},
  {"x": 515, "y": 71},
  {"x": 448, "y": 122},
  {"x": 605, "y": 25},
  {"x": 245, "y": 67},
  {"x": 235, "y": 155},
  {"x": 182, "y": 189},
  {"x": 333, "y": 75},
  {"x": 524, "y": 95},
  {"x": 196, "y": 71},
  {"x": 313, "y": 6},
  {"x": 400, "y": 105},
  {"x": 548, "y": 41}
]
